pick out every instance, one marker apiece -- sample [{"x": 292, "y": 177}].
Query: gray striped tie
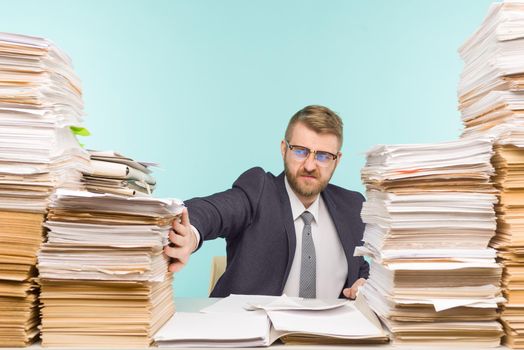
[{"x": 308, "y": 268}]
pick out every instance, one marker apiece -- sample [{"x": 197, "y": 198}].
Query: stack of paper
[
  {"x": 21, "y": 236},
  {"x": 411, "y": 189},
  {"x": 509, "y": 240},
  {"x": 254, "y": 320},
  {"x": 494, "y": 55},
  {"x": 429, "y": 218},
  {"x": 40, "y": 99},
  {"x": 491, "y": 88},
  {"x": 497, "y": 114},
  {"x": 111, "y": 172},
  {"x": 103, "y": 273},
  {"x": 491, "y": 94}
]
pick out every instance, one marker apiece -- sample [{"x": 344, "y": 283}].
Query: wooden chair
[{"x": 218, "y": 266}]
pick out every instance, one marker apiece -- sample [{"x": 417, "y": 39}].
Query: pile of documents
[
  {"x": 491, "y": 100},
  {"x": 114, "y": 173},
  {"x": 22, "y": 234},
  {"x": 40, "y": 100},
  {"x": 491, "y": 88},
  {"x": 509, "y": 240},
  {"x": 429, "y": 218},
  {"x": 103, "y": 273},
  {"x": 256, "y": 320}
]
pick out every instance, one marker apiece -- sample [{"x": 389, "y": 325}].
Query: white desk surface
[{"x": 195, "y": 304}]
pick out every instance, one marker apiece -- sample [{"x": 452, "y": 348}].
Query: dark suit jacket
[{"x": 255, "y": 218}]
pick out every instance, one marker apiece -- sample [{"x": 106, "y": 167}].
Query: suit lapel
[{"x": 288, "y": 224}]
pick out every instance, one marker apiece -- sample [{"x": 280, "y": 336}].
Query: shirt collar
[{"x": 297, "y": 208}]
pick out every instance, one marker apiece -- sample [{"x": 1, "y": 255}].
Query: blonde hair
[{"x": 319, "y": 119}]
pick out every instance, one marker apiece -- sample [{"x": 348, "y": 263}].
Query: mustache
[{"x": 313, "y": 173}]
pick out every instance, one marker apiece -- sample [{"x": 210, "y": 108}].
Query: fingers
[
  {"x": 354, "y": 289},
  {"x": 182, "y": 227},
  {"x": 351, "y": 293},
  {"x": 360, "y": 282},
  {"x": 180, "y": 252},
  {"x": 177, "y": 239},
  {"x": 177, "y": 253},
  {"x": 175, "y": 266},
  {"x": 182, "y": 241},
  {"x": 185, "y": 218}
]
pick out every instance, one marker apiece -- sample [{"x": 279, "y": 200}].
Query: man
[{"x": 294, "y": 233}]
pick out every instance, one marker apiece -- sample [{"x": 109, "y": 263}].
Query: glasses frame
[{"x": 315, "y": 152}]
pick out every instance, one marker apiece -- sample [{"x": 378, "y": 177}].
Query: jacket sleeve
[{"x": 227, "y": 214}]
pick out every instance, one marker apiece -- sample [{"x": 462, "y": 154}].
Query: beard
[{"x": 304, "y": 189}]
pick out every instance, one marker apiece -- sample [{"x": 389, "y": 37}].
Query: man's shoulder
[
  {"x": 255, "y": 180},
  {"x": 257, "y": 184},
  {"x": 255, "y": 174}
]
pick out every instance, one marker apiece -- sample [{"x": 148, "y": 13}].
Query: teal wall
[{"x": 206, "y": 87}]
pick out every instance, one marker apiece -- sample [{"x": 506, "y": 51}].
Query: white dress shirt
[{"x": 331, "y": 260}]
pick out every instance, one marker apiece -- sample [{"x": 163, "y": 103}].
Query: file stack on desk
[
  {"x": 429, "y": 218},
  {"x": 40, "y": 98},
  {"x": 114, "y": 173},
  {"x": 491, "y": 100},
  {"x": 103, "y": 273},
  {"x": 509, "y": 240}
]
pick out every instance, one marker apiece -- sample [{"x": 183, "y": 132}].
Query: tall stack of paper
[
  {"x": 429, "y": 218},
  {"x": 103, "y": 273},
  {"x": 491, "y": 88},
  {"x": 509, "y": 240},
  {"x": 114, "y": 173},
  {"x": 491, "y": 94},
  {"x": 40, "y": 98}
]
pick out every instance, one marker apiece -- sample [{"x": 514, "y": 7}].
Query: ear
[
  {"x": 283, "y": 148},
  {"x": 338, "y": 159}
]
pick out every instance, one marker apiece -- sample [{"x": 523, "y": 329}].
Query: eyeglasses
[{"x": 323, "y": 158}]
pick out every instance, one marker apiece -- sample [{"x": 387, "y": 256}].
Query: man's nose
[{"x": 310, "y": 163}]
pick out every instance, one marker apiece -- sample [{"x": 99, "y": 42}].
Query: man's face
[{"x": 306, "y": 176}]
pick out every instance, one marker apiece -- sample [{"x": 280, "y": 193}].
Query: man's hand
[
  {"x": 351, "y": 293},
  {"x": 183, "y": 243}
]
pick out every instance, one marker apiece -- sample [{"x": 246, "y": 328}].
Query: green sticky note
[{"x": 81, "y": 131}]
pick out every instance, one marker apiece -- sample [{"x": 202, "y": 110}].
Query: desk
[{"x": 195, "y": 304}]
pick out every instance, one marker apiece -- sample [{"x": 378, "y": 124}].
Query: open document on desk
[{"x": 247, "y": 320}]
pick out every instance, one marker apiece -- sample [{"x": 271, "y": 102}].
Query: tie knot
[{"x": 307, "y": 217}]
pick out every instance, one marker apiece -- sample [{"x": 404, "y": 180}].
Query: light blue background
[{"x": 206, "y": 88}]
